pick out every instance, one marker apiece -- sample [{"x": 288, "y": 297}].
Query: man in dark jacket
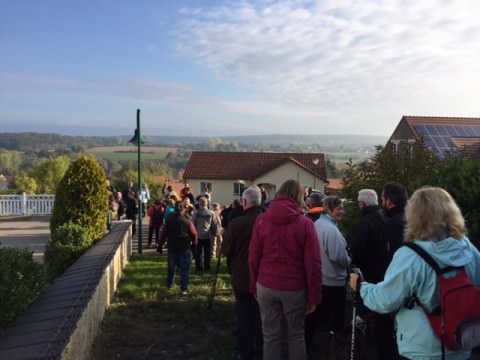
[
  {"x": 369, "y": 247},
  {"x": 235, "y": 248},
  {"x": 394, "y": 200},
  {"x": 180, "y": 234}
]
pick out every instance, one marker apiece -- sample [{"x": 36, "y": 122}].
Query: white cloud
[
  {"x": 132, "y": 88},
  {"x": 341, "y": 57}
]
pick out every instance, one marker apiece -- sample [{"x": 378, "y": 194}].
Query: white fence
[{"x": 26, "y": 204}]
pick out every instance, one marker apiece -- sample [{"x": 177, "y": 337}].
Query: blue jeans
[{"x": 182, "y": 259}]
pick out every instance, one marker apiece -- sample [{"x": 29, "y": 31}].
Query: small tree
[
  {"x": 25, "y": 184},
  {"x": 409, "y": 164},
  {"x": 82, "y": 198},
  {"x": 49, "y": 172}
]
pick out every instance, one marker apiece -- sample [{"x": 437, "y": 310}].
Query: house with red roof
[
  {"x": 226, "y": 174},
  {"x": 441, "y": 135}
]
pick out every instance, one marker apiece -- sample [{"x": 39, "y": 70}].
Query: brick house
[
  {"x": 227, "y": 173},
  {"x": 441, "y": 135}
]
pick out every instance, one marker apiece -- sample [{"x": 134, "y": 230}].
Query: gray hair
[
  {"x": 331, "y": 202},
  {"x": 368, "y": 196},
  {"x": 253, "y": 195}
]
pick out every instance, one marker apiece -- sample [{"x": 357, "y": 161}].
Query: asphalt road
[{"x": 26, "y": 232}]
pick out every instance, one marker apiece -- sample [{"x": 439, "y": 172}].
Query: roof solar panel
[
  {"x": 469, "y": 130},
  {"x": 441, "y": 130},
  {"x": 438, "y": 138},
  {"x": 421, "y": 130},
  {"x": 432, "y": 130},
  {"x": 461, "y": 130}
]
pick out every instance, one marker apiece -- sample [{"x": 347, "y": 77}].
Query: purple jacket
[{"x": 284, "y": 252}]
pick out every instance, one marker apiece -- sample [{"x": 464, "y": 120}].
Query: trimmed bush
[
  {"x": 67, "y": 244},
  {"x": 21, "y": 280},
  {"x": 82, "y": 198}
]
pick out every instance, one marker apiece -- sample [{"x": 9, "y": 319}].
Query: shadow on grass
[{"x": 147, "y": 321}]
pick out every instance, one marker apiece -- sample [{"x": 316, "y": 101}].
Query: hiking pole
[
  {"x": 354, "y": 312},
  {"x": 215, "y": 279}
]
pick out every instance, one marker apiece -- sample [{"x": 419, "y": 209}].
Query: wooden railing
[{"x": 26, "y": 204}]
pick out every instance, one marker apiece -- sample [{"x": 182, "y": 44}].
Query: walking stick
[
  {"x": 354, "y": 312},
  {"x": 215, "y": 280}
]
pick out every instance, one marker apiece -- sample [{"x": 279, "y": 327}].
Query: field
[{"x": 117, "y": 153}]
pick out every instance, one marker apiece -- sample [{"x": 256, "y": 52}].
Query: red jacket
[
  {"x": 150, "y": 212},
  {"x": 284, "y": 252}
]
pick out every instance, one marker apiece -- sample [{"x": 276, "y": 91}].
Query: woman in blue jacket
[{"x": 434, "y": 222}]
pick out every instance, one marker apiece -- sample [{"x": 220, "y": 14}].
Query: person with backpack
[
  {"x": 180, "y": 234},
  {"x": 411, "y": 287},
  {"x": 155, "y": 215}
]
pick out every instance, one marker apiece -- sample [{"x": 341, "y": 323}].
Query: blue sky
[{"x": 218, "y": 68}]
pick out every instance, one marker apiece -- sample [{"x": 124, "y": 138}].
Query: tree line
[{"x": 415, "y": 166}]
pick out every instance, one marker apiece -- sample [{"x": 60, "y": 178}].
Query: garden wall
[{"x": 65, "y": 319}]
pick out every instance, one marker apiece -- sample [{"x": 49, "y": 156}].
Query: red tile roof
[
  {"x": 470, "y": 146},
  {"x": 248, "y": 165},
  {"x": 336, "y": 184}
]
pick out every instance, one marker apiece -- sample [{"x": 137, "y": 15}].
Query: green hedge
[
  {"x": 82, "y": 198},
  {"x": 67, "y": 244},
  {"x": 21, "y": 280}
]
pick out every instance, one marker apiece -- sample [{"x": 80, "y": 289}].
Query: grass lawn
[{"x": 147, "y": 321}]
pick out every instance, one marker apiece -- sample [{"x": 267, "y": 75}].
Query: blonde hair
[
  {"x": 292, "y": 189},
  {"x": 430, "y": 213}
]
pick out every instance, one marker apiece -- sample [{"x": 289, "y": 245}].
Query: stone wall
[{"x": 65, "y": 319}]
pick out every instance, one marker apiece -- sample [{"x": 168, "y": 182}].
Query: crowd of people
[{"x": 291, "y": 265}]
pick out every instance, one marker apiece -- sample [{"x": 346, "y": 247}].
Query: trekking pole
[
  {"x": 215, "y": 280},
  {"x": 354, "y": 312}
]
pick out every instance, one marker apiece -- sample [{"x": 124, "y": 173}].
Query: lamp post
[{"x": 137, "y": 140}]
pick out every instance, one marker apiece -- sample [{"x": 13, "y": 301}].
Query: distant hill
[
  {"x": 269, "y": 140},
  {"x": 326, "y": 140},
  {"x": 32, "y": 140}
]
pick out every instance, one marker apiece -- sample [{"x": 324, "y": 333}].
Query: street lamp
[
  {"x": 137, "y": 140},
  {"x": 315, "y": 162}
]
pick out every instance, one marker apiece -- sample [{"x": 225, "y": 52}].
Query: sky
[{"x": 241, "y": 67}]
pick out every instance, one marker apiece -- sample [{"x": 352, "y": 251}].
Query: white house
[{"x": 227, "y": 173}]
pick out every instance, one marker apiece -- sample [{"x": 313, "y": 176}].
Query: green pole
[{"x": 139, "y": 192}]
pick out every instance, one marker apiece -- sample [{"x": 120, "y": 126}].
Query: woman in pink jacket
[{"x": 285, "y": 271}]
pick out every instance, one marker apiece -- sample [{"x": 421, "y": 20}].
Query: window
[
  {"x": 238, "y": 188},
  {"x": 205, "y": 185}
]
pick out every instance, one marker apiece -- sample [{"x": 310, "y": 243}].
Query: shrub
[
  {"x": 82, "y": 198},
  {"x": 68, "y": 243},
  {"x": 21, "y": 280}
]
